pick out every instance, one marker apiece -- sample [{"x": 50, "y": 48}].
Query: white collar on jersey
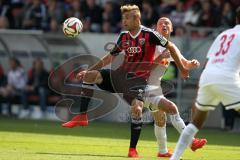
[{"x": 135, "y": 36}]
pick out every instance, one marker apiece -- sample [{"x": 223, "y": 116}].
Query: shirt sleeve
[
  {"x": 117, "y": 47},
  {"x": 157, "y": 39}
]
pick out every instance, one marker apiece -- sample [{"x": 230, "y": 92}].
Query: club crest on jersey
[{"x": 142, "y": 41}]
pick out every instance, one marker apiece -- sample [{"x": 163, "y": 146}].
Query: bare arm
[
  {"x": 188, "y": 64},
  {"x": 177, "y": 56},
  {"x": 107, "y": 59},
  {"x": 163, "y": 55}
]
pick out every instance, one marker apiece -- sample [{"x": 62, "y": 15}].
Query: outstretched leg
[
  {"x": 189, "y": 132},
  {"x": 91, "y": 77},
  {"x": 170, "y": 108}
]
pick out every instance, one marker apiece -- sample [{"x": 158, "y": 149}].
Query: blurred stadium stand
[{"x": 104, "y": 15}]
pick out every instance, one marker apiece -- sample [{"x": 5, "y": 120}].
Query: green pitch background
[{"x": 43, "y": 140}]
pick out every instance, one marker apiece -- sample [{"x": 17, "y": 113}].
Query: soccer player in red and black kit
[{"x": 137, "y": 43}]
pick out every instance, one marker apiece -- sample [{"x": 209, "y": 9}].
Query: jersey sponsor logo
[{"x": 134, "y": 50}]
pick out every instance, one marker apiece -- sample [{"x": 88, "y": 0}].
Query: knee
[
  {"x": 160, "y": 123},
  {"x": 160, "y": 118},
  {"x": 172, "y": 108},
  {"x": 136, "y": 109}
]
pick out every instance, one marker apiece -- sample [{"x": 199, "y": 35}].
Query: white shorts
[
  {"x": 153, "y": 95},
  {"x": 152, "y": 102},
  {"x": 210, "y": 96}
]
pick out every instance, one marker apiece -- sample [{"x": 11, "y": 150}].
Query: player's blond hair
[{"x": 128, "y": 8}]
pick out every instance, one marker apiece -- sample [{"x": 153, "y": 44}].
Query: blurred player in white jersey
[
  {"x": 219, "y": 83},
  {"x": 164, "y": 27}
]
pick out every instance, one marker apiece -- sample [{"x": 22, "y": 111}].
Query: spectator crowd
[
  {"x": 104, "y": 15},
  {"x": 19, "y": 84},
  {"x": 28, "y": 87}
]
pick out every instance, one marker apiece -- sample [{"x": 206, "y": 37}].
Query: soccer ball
[{"x": 72, "y": 27}]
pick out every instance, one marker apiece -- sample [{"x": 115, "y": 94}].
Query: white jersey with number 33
[{"x": 223, "y": 59}]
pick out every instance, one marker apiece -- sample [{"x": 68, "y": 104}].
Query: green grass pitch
[{"x": 43, "y": 140}]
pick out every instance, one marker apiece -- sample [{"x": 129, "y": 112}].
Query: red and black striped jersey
[{"x": 138, "y": 48}]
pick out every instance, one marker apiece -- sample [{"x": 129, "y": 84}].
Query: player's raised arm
[
  {"x": 177, "y": 56},
  {"x": 106, "y": 60},
  {"x": 165, "y": 28},
  {"x": 158, "y": 39},
  {"x": 188, "y": 64}
]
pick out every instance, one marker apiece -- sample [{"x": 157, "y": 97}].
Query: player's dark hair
[{"x": 238, "y": 15}]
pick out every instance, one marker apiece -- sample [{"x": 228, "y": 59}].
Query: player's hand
[
  {"x": 81, "y": 75},
  {"x": 193, "y": 64}
]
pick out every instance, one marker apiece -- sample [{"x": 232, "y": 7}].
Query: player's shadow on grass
[
  {"x": 85, "y": 154},
  {"x": 80, "y": 154},
  {"x": 108, "y": 130}
]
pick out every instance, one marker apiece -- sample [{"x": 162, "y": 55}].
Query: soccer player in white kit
[
  {"x": 219, "y": 83},
  {"x": 164, "y": 27}
]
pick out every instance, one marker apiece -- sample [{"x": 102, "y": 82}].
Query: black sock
[
  {"x": 136, "y": 127},
  {"x": 84, "y": 102}
]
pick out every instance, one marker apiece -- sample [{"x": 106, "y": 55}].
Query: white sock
[
  {"x": 161, "y": 136},
  {"x": 184, "y": 141},
  {"x": 177, "y": 122}
]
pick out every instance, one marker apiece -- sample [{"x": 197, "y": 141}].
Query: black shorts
[
  {"x": 106, "y": 83},
  {"x": 129, "y": 84}
]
